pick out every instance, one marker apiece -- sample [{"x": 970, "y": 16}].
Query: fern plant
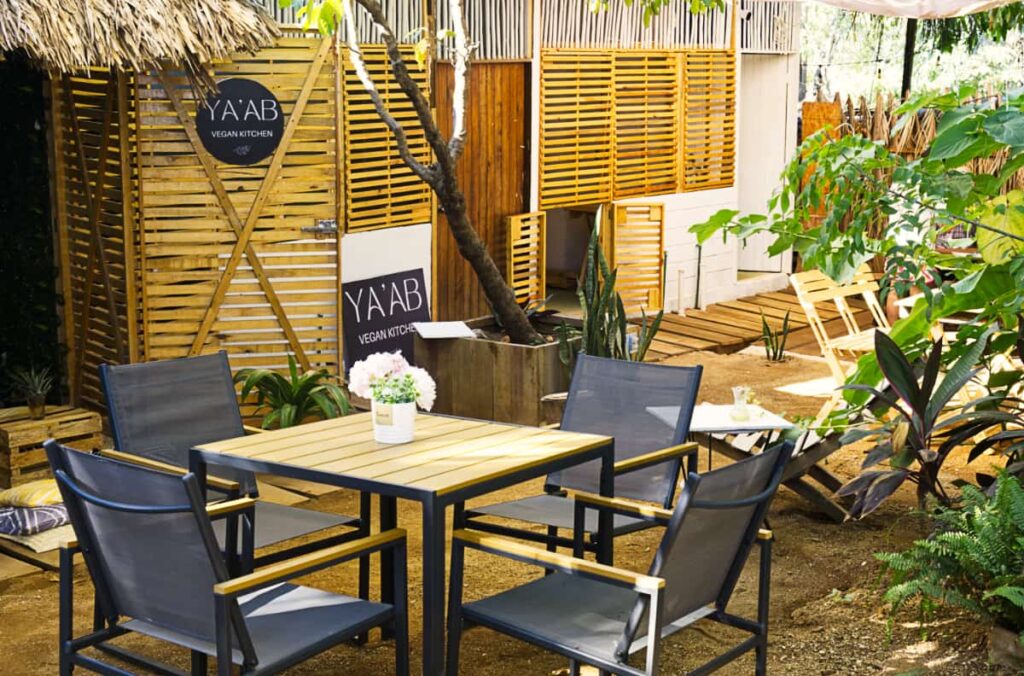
[
  {"x": 290, "y": 400},
  {"x": 775, "y": 341},
  {"x": 973, "y": 561}
]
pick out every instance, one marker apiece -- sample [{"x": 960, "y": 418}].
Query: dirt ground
[{"x": 826, "y": 614}]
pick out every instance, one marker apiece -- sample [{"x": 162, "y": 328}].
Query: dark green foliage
[
  {"x": 290, "y": 400},
  {"x": 974, "y": 560},
  {"x": 29, "y": 318},
  {"x": 974, "y": 29},
  {"x": 906, "y": 441},
  {"x": 775, "y": 341},
  {"x": 32, "y": 382},
  {"x": 605, "y": 324}
]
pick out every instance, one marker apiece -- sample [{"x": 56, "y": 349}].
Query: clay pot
[
  {"x": 1004, "y": 648},
  {"x": 36, "y": 407}
]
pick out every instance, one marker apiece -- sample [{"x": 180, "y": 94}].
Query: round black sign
[{"x": 242, "y": 124}]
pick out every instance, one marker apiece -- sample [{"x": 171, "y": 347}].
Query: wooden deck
[{"x": 733, "y": 325}]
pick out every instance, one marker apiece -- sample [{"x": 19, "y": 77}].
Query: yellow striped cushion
[{"x": 33, "y": 494}]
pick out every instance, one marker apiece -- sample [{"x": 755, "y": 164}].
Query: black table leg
[
  {"x": 433, "y": 587},
  {"x": 388, "y": 520},
  {"x": 605, "y": 519}
]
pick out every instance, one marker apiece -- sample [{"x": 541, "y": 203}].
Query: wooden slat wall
[
  {"x": 646, "y": 123},
  {"x": 93, "y": 195},
  {"x": 380, "y": 190},
  {"x": 208, "y": 288},
  {"x": 576, "y": 127},
  {"x": 526, "y": 258},
  {"x": 709, "y": 112},
  {"x": 634, "y": 239},
  {"x": 492, "y": 172}
]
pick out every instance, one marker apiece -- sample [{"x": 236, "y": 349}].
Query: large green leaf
[
  {"x": 1006, "y": 126},
  {"x": 958, "y": 375},
  {"x": 1005, "y": 216}
]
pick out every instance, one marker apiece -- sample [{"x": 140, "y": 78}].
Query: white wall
[{"x": 383, "y": 252}]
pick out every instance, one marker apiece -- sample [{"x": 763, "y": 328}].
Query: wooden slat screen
[
  {"x": 380, "y": 190},
  {"x": 634, "y": 240},
  {"x": 225, "y": 260},
  {"x": 527, "y": 244},
  {"x": 709, "y": 114},
  {"x": 646, "y": 123},
  {"x": 576, "y": 127},
  {"x": 92, "y": 120}
]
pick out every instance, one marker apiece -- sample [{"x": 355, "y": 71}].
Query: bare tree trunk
[{"x": 440, "y": 175}]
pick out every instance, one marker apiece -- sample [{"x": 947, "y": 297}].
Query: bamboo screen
[
  {"x": 225, "y": 261},
  {"x": 93, "y": 185},
  {"x": 571, "y": 24},
  {"x": 709, "y": 119},
  {"x": 632, "y": 122},
  {"x": 499, "y": 29},
  {"x": 380, "y": 190}
]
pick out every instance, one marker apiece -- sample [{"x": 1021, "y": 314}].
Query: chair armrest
[
  {"x": 249, "y": 429},
  {"x": 310, "y": 563},
  {"x": 225, "y": 485},
  {"x": 71, "y": 545},
  {"x": 619, "y": 506},
  {"x": 765, "y": 534},
  {"x": 645, "y": 584},
  {"x": 655, "y": 458},
  {"x": 220, "y": 509}
]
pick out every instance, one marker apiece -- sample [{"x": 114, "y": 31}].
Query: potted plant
[
  {"x": 34, "y": 384},
  {"x": 972, "y": 561},
  {"x": 293, "y": 399},
  {"x": 394, "y": 389}
]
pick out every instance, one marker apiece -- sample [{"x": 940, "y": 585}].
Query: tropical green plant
[
  {"x": 907, "y": 439},
  {"x": 32, "y": 382},
  {"x": 290, "y": 400},
  {"x": 775, "y": 339},
  {"x": 974, "y": 560},
  {"x": 605, "y": 330}
]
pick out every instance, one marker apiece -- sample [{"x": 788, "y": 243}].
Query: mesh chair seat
[
  {"x": 285, "y": 621},
  {"x": 277, "y": 523},
  {"x": 554, "y": 510},
  {"x": 576, "y": 612}
]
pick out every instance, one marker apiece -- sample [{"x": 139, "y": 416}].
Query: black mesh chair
[
  {"x": 614, "y": 398},
  {"x": 159, "y": 410},
  {"x": 600, "y": 615},
  {"x": 149, "y": 546}
]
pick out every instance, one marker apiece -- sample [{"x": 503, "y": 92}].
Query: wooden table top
[{"x": 447, "y": 454}]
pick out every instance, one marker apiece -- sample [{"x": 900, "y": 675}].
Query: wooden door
[
  {"x": 526, "y": 256},
  {"x": 231, "y": 256},
  {"x": 633, "y": 239}
]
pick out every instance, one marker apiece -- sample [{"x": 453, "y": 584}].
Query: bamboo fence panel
[
  {"x": 633, "y": 237},
  {"x": 570, "y": 24},
  {"x": 647, "y": 114},
  {"x": 499, "y": 30},
  {"x": 380, "y": 190},
  {"x": 576, "y": 127},
  {"x": 92, "y": 126},
  {"x": 225, "y": 262},
  {"x": 405, "y": 16},
  {"x": 769, "y": 26},
  {"x": 709, "y": 119},
  {"x": 526, "y": 256}
]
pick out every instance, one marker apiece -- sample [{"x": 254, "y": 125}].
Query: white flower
[
  {"x": 426, "y": 389},
  {"x": 375, "y": 369}
]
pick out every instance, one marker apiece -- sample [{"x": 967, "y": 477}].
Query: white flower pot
[{"x": 394, "y": 423}]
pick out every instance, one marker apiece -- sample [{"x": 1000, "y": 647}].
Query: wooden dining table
[{"x": 449, "y": 461}]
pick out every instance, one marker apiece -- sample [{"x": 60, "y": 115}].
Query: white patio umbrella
[{"x": 918, "y": 9}]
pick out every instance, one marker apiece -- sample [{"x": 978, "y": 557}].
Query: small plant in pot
[
  {"x": 292, "y": 399},
  {"x": 395, "y": 389},
  {"x": 34, "y": 384}
]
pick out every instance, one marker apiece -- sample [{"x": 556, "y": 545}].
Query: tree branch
[
  {"x": 356, "y": 57},
  {"x": 460, "y": 92}
]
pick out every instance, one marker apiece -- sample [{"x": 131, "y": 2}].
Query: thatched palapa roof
[{"x": 68, "y": 36}]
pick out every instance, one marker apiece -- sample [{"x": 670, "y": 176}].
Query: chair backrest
[
  {"x": 713, "y": 527},
  {"x": 616, "y": 398},
  {"x": 161, "y": 409},
  {"x": 147, "y": 542}
]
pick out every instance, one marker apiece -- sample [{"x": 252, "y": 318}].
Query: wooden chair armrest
[
  {"x": 71, "y": 544},
  {"x": 249, "y": 429},
  {"x": 218, "y": 509},
  {"x": 655, "y": 458},
  {"x": 620, "y": 506},
  {"x": 225, "y": 485},
  {"x": 518, "y": 551},
  {"x": 309, "y": 563},
  {"x": 765, "y": 534}
]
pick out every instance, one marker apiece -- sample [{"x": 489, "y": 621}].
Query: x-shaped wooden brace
[{"x": 243, "y": 232}]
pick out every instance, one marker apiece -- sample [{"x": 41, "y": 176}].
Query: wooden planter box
[
  {"x": 492, "y": 380},
  {"x": 22, "y": 458}
]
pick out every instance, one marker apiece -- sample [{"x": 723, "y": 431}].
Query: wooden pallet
[
  {"x": 22, "y": 457},
  {"x": 733, "y": 325}
]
